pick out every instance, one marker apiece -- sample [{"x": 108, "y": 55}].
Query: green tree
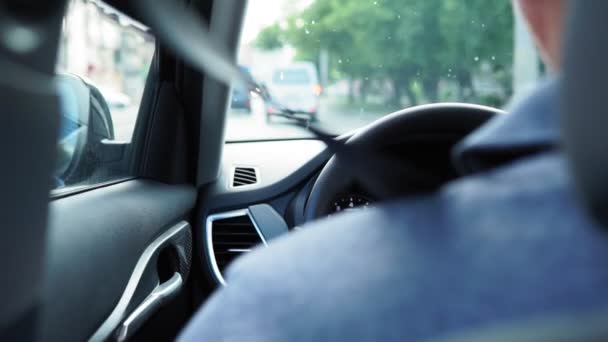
[
  {"x": 476, "y": 31},
  {"x": 411, "y": 44},
  {"x": 270, "y": 38}
]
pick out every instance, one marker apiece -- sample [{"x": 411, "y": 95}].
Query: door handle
[{"x": 159, "y": 296}]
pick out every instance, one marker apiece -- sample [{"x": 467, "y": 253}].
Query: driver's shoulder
[
  {"x": 528, "y": 190},
  {"x": 528, "y": 202},
  {"x": 530, "y": 198},
  {"x": 349, "y": 262}
]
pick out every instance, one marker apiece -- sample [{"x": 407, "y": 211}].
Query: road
[{"x": 254, "y": 125}]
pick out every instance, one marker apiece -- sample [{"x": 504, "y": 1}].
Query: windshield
[{"x": 346, "y": 63}]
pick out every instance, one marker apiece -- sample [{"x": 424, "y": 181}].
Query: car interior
[{"x": 146, "y": 232}]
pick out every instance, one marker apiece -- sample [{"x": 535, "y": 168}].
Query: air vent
[
  {"x": 244, "y": 176},
  {"x": 230, "y": 235}
]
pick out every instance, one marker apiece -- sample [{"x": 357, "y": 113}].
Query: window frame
[{"x": 132, "y": 158}]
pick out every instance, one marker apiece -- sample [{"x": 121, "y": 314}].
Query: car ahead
[
  {"x": 241, "y": 99},
  {"x": 296, "y": 86},
  {"x": 241, "y": 95}
]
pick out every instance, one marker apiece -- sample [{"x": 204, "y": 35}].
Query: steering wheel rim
[{"x": 398, "y": 127}]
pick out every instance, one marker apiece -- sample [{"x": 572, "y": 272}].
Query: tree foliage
[
  {"x": 412, "y": 44},
  {"x": 270, "y": 38}
]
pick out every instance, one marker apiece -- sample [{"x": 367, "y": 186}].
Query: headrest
[{"x": 584, "y": 119}]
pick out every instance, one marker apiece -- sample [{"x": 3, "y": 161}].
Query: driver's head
[{"x": 545, "y": 18}]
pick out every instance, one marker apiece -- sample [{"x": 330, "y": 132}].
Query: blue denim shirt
[{"x": 505, "y": 243}]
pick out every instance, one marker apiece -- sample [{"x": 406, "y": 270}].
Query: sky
[{"x": 262, "y": 13}]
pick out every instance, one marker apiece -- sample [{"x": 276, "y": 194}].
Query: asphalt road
[{"x": 255, "y": 126}]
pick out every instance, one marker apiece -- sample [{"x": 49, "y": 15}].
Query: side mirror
[{"x": 86, "y": 123}]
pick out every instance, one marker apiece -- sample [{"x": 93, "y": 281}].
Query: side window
[{"x": 102, "y": 68}]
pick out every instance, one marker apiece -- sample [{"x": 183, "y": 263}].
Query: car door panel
[{"x": 95, "y": 240}]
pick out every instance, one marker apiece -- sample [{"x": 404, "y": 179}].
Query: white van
[{"x": 297, "y": 87}]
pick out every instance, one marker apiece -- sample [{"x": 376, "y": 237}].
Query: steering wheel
[{"x": 416, "y": 125}]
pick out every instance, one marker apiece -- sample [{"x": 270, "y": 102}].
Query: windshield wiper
[{"x": 192, "y": 41}]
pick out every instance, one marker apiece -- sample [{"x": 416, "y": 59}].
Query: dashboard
[
  {"x": 238, "y": 217},
  {"x": 282, "y": 170},
  {"x": 282, "y": 175},
  {"x": 266, "y": 189},
  {"x": 285, "y": 171}
]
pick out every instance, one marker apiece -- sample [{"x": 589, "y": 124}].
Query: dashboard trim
[{"x": 209, "y": 237}]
